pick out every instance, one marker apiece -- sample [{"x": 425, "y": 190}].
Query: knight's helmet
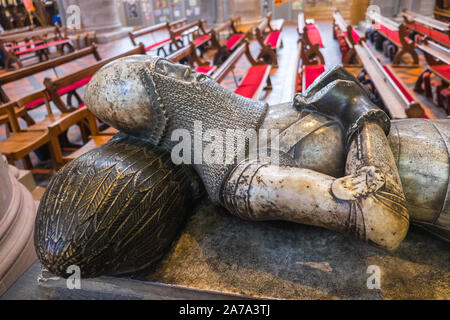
[{"x": 150, "y": 97}]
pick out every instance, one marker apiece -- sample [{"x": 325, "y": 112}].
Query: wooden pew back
[
  {"x": 188, "y": 52},
  {"x": 157, "y": 27},
  {"x": 436, "y": 30},
  {"x": 44, "y": 33},
  {"x": 229, "y": 64},
  {"x": 34, "y": 69},
  {"x": 195, "y": 26},
  {"x": 396, "y": 33}
]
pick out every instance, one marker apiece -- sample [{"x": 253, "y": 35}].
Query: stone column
[
  {"x": 248, "y": 10},
  {"x": 100, "y": 16},
  {"x": 17, "y": 214}
]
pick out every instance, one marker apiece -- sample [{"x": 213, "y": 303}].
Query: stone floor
[
  {"x": 217, "y": 253},
  {"x": 219, "y": 256}
]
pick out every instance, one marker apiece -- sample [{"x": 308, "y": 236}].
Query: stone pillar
[
  {"x": 358, "y": 11},
  {"x": 248, "y": 10},
  {"x": 222, "y": 11},
  {"x": 387, "y": 7},
  {"x": 100, "y": 16},
  {"x": 17, "y": 215}
]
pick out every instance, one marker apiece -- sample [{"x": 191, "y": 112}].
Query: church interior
[{"x": 94, "y": 205}]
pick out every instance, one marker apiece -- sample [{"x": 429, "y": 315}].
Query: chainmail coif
[{"x": 178, "y": 103}]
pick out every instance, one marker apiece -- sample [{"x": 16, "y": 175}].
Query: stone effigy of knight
[{"x": 332, "y": 159}]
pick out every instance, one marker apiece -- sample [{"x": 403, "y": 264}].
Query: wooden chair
[
  {"x": 21, "y": 142},
  {"x": 255, "y": 80},
  {"x": 61, "y": 126}
]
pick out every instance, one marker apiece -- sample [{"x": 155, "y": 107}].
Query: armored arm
[{"x": 368, "y": 202}]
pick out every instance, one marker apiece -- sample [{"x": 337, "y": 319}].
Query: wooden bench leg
[
  {"x": 401, "y": 52},
  {"x": 269, "y": 84},
  {"x": 10, "y": 59},
  {"x": 27, "y": 162},
  {"x": 419, "y": 81},
  {"x": 221, "y": 55},
  {"x": 28, "y": 119},
  {"x": 349, "y": 56},
  {"x": 161, "y": 49},
  {"x": 73, "y": 94},
  {"x": 269, "y": 56}
]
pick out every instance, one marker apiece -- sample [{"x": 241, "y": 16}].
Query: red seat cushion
[
  {"x": 157, "y": 44},
  {"x": 314, "y": 35},
  {"x": 74, "y": 85},
  {"x": 25, "y": 44},
  {"x": 355, "y": 36},
  {"x": 392, "y": 35},
  {"x": 42, "y": 46},
  {"x": 440, "y": 37},
  {"x": 205, "y": 69},
  {"x": 234, "y": 40},
  {"x": 432, "y": 33},
  {"x": 312, "y": 73},
  {"x": 61, "y": 91},
  {"x": 252, "y": 81},
  {"x": 399, "y": 84},
  {"x": 443, "y": 70},
  {"x": 35, "y": 103},
  {"x": 272, "y": 39},
  {"x": 199, "y": 41}
]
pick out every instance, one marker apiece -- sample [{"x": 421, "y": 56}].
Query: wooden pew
[
  {"x": 234, "y": 39},
  {"x": 22, "y": 142},
  {"x": 194, "y": 60},
  {"x": 435, "y": 30},
  {"x": 36, "y": 41},
  {"x": 15, "y": 75},
  {"x": 158, "y": 46},
  {"x": 271, "y": 42},
  {"x": 310, "y": 41},
  {"x": 68, "y": 85},
  {"x": 350, "y": 36},
  {"x": 307, "y": 72},
  {"x": 397, "y": 34},
  {"x": 398, "y": 101},
  {"x": 309, "y": 33},
  {"x": 255, "y": 80},
  {"x": 59, "y": 127},
  {"x": 195, "y": 30},
  {"x": 34, "y": 69},
  {"x": 438, "y": 61},
  {"x": 17, "y": 31}
]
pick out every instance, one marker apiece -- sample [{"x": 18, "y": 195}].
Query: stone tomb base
[{"x": 220, "y": 256}]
